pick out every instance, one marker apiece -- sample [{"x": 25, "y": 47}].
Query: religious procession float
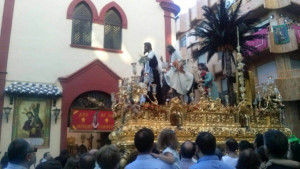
[
  {"x": 187, "y": 120},
  {"x": 242, "y": 120}
]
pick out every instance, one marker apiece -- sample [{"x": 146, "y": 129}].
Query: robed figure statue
[{"x": 152, "y": 74}]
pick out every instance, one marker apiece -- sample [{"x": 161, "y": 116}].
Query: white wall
[
  {"x": 40, "y": 42},
  {"x": 1, "y": 13},
  {"x": 173, "y": 32},
  {"x": 40, "y": 48}
]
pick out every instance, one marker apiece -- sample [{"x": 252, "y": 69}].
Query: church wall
[
  {"x": 41, "y": 38},
  {"x": 40, "y": 49}
]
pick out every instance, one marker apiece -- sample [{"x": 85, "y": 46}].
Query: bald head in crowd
[{"x": 188, "y": 149}]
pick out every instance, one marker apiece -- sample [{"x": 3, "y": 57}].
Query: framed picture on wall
[{"x": 31, "y": 121}]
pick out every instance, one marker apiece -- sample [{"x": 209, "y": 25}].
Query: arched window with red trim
[
  {"x": 82, "y": 25},
  {"x": 112, "y": 30}
]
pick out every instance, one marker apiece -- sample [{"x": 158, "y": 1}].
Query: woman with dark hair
[{"x": 248, "y": 160}]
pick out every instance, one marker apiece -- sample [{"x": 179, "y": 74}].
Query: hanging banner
[
  {"x": 281, "y": 35},
  {"x": 297, "y": 31},
  {"x": 83, "y": 119}
]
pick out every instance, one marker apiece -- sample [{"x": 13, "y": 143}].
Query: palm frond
[{"x": 218, "y": 31}]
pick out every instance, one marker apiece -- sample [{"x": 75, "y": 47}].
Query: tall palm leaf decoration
[{"x": 218, "y": 32}]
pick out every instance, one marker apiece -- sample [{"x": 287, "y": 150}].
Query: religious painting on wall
[
  {"x": 31, "y": 121},
  {"x": 281, "y": 35},
  {"x": 89, "y": 119}
]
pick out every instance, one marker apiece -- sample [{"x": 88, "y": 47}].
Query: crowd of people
[{"x": 270, "y": 150}]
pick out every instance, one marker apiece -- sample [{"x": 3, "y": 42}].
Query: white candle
[{"x": 120, "y": 83}]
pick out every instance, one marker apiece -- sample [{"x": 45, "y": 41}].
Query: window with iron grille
[
  {"x": 82, "y": 25},
  {"x": 112, "y": 30}
]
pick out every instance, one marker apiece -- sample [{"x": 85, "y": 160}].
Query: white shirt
[
  {"x": 230, "y": 161},
  {"x": 43, "y": 160},
  {"x": 14, "y": 166}
]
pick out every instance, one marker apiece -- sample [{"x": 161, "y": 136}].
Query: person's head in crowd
[
  {"x": 262, "y": 154},
  {"x": 170, "y": 49},
  {"x": 20, "y": 152},
  {"x": 50, "y": 164},
  {"x": 64, "y": 153},
  {"x": 248, "y": 160},
  {"x": 259, "y": 141},
  {"x": 143, "y": 140},
  {"x": 218, "y": 152},
  {"x": 47, "y": 156},
  {"x": 202, "y": 67},
  {"x": 188, "y": 149},
  {"x": 147, "y": 47},
  {"x": 205, "y": 144},
  {"x": 167, "y": 138},
  {"x": 93, "y": 152},
  {"x": 72, "y": 163},
  {"x": 244, "y": 145},
  {"x": 63, "y": 157},
  {"x": 294, "y": 151},
  {"x": 87, "y": 161},
  {"x": 231, "y": 145},
  {"x": 276, "y": 144},
  {"x": 132, "y": 157},
  {"x": 108, "y": 157}
]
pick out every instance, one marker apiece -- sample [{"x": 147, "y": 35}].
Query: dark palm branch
[{"x": 219, "y": 31}]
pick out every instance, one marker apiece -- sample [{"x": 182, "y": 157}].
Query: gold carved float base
[{"x": 187, "y": 120}]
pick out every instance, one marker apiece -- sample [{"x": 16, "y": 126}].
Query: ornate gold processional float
[{"x": 241, "y": 122}]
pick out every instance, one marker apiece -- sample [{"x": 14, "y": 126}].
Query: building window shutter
[
  {"x": 112, "y": 30},
  {"x": 82, "y": 25}
]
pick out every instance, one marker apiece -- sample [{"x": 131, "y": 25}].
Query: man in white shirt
[{"x": 231, "y": 147}]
